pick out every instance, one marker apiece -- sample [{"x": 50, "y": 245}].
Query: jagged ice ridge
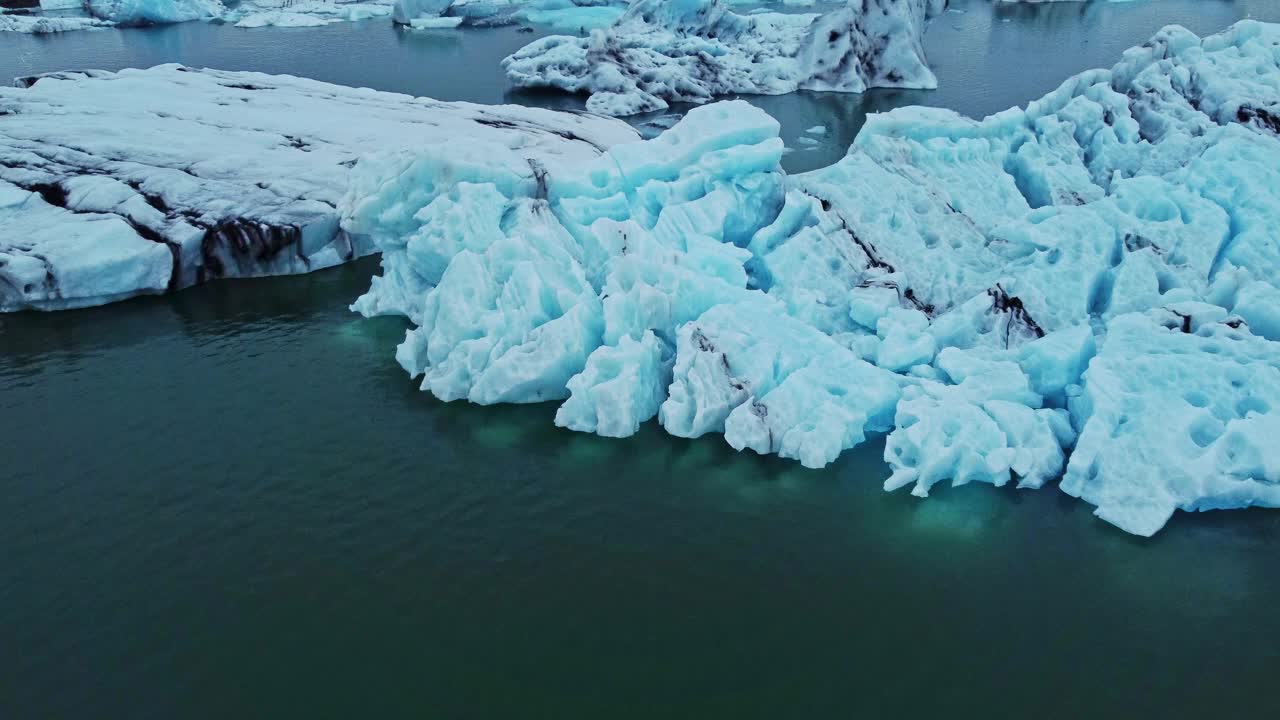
[{"x": 1080, "y": 289}]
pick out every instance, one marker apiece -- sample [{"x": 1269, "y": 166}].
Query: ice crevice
[{"x": 1080, "y": 291}]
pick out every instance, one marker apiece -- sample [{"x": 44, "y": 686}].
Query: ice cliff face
[
  {"x": 145, "y": 181},
  {"x": 1080, "y": 289},
  {"x": 663, "y": 51},
  {"x": 153, "y": 12}
]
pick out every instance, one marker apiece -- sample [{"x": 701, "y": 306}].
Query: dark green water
[{"x": 231, "y": 503}]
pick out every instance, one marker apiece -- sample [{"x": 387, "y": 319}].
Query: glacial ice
[
  {"x": 578, "y": 16},
  {"x": 1177, "y": 413},
  {"x": 663, "y": 51},
  {"x": 984, "y": 424},
  {"x": 566, "y": 15},
  {"x": 146, "y": 181},
  {"x": 1082, "y": 289},
  {"x": 302, "y": 13},
  {"x": 406, "y": 11},
  {"x": 153, "y": 12},
  {"x": 247, "y": 13},
  {"x": 44, "y": 25}
]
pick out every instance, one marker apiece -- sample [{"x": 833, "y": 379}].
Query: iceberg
[
  {"x": 1078, "y": 291},
  {"x": 245, "y": 14},
  {"x": 569, "y": 15},
  {"x": 302, "y": 13},
  {"x": 663, "y": 51},
  {"x": 153, "y": 12},
  {"x": 43, "y": 24},
  {"x": 147, "y": 181},
  {"x": 406, "y": 11}
]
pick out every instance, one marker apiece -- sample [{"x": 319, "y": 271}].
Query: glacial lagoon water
[{"x": 231, "y": 502}]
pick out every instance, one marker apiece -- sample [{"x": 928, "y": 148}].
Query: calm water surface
[{"x": 231, "y": 503}]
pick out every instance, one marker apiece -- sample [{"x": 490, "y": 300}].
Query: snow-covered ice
[
  {"x": 144, "y": 181},
  {"x": 153, "y": 12},
  {"x": 663, "y": 51},
  {"x": 1083, "y": 288}
]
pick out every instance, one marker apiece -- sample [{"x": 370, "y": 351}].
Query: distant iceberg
[
  {"x": 663, "y": 51},
  {"x": 153, "y": 12},
  {"x": 1080, "y": 289},
  {"x": 568, "y": 15},
  {"x": 97, "y": 14}
]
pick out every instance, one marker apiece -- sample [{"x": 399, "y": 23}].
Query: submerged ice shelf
[
  {"x": 663, "y": 51},
  {"x": 1080, "y": 289},
  {"x": 145, "y": 181}
]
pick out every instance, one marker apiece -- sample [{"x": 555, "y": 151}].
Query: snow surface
[
  {"x": 145, "y": 181},
  {"x": 1067, "y": 290},
  {"x": 663, "y": 51}
]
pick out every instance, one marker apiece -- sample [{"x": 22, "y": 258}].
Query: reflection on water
[{"x": 231, "y": 502}]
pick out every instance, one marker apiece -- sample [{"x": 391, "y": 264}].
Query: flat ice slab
[{"x": 146, "y": 181}]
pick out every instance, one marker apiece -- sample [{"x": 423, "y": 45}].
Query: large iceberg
[
  {"x": 663, "y": 51},
  {"x": 153, "y": 12},
  {"x": 145, "y": 181},
  {"x": 1083, "y": 288}
]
